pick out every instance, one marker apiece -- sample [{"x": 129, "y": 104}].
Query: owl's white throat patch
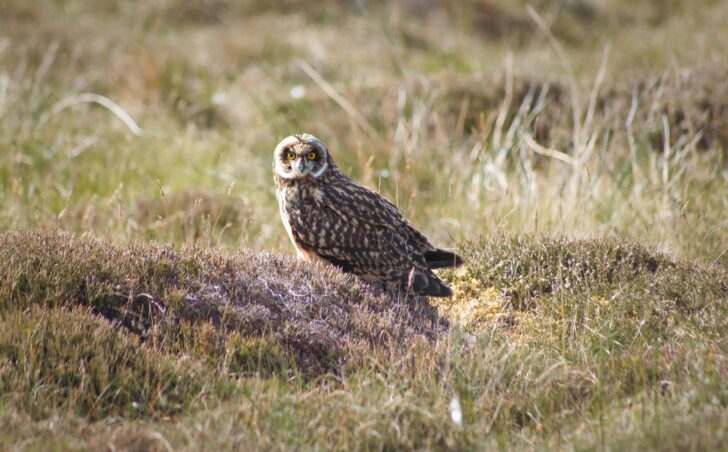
[{"x": 293, "y": 174}]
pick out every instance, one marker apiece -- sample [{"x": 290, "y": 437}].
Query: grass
[
  {"x": 591, "y": 335},
  {"x": 574, "y": 153}
]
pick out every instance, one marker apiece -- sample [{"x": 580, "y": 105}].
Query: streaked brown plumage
[{"x": 330, "y": 217}]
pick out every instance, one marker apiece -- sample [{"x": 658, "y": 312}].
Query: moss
[
  {"x": 529, "y": 272},
  {"x": 543, "y": 289}
]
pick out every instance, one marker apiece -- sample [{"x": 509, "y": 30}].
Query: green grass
[
  {"x": 595, "y": 335},
  {"x": 573, "y": 151}
]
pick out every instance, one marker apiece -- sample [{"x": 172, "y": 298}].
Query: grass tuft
[{"x": 58, "y": 360}]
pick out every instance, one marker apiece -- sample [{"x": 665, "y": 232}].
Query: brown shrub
[{"x": 246, "y": 312}]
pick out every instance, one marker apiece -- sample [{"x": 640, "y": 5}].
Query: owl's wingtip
[{"x": 440, "y": 258}]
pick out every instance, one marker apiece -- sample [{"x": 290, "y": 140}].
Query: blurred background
[{"x": 156, "y": 120}]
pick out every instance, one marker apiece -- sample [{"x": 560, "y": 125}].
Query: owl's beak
[{"x": 301, "y": 165}]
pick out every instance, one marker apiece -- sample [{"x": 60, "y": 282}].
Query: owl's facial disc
[{"x": 300, "y": 156}]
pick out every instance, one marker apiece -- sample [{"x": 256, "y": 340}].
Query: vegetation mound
[{"x": 259, "y": 311}]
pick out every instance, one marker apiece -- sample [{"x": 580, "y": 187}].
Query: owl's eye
[
  {"x": 290, "y": 156},
  {"x": 311, "y": 155}
]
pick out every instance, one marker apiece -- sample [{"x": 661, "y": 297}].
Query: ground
[{"x": 574, "y": 152}]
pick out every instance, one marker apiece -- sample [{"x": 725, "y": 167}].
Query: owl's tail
[{"x": 442, "y": 259}]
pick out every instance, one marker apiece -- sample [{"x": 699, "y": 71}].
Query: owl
[{"x": 331, "y": 218}]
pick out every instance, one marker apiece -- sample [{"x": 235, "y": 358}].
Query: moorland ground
[{"x": 573, "y": 151}]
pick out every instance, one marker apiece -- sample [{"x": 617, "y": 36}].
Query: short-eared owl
[{"x": 330, "y": 217}]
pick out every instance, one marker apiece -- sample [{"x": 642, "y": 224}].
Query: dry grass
[
  {"x": 574, "y": 151},
  {"x": 275, "y": 354}
]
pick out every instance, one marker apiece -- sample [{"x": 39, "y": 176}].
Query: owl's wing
[
  {"x": 361, "y": 232},
  {"x": 369, "y": 207},
  {"x": 335, "y": 228}
]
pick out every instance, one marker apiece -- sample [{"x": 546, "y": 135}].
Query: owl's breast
[
  {"x": 295, "y": 200},
  {"x": 298, "y": 209}
]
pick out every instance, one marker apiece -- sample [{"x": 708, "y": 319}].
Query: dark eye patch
[{"x": 284, "y": 155}]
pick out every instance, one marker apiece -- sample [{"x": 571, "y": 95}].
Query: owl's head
[{"x": 301, "y": 156}]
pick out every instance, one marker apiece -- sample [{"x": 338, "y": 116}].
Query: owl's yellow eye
[
  {"x": 290, "y": 156},
  {"x": 311, "y": 155}
]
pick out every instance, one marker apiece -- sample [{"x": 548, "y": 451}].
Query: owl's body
[{"x": 330, "y": 217}]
